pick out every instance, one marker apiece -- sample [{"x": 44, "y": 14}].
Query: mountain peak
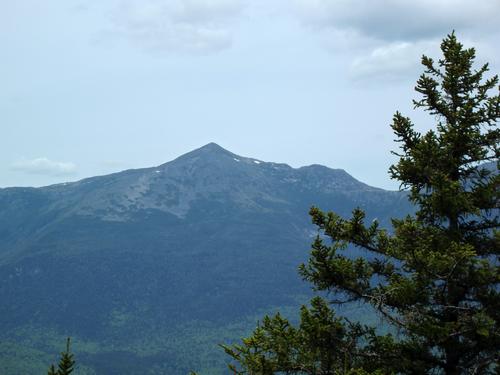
[
  {"x": 211, "y": 151},
  {"x": 212, "y": 146}
]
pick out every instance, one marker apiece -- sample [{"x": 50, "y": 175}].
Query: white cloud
[
  {"x": 44, "y": 166},
  {"x": 388, "y": 37},
  {"x": 400, "y": 20},
  {"x": 393, "y": 61},
  {"x": 187, "y": 26}
]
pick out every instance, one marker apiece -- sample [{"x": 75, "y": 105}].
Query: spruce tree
[
  {"x": 435, "y": 277},
  {"x": 66, "y": 363}
]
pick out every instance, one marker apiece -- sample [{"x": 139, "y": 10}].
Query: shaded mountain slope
[{"x": 210, "y": 236}]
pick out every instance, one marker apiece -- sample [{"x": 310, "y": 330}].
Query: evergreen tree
[
  {"x": 435, "y": 277},
  {"x": 322, "y": 344},
  {"x": 66, "y": 363}
]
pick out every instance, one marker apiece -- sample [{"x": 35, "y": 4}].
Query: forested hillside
[{"x": 155, "y": 267}]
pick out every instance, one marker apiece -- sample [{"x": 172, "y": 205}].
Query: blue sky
[{"x": 94, "y": 87}]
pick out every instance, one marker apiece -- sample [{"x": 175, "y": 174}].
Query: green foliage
[
  {"x": 321, "y": 344},
  {"x": 66, "y": 363},
  {"x": 436, "y": 277}
]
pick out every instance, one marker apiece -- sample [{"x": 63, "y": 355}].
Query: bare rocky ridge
[{"x": 204, "y": 173}]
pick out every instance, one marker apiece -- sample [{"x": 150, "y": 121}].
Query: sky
[{"x": 94, "y": 87}]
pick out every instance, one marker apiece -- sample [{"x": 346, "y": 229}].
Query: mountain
[{"x": 149, "y": 269}]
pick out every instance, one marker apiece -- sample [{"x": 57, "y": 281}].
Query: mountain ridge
[
  {"x": 210, "y": 168},
  {"x": 209, "y": 149}
]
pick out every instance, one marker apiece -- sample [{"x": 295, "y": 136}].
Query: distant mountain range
[{"x": 148, "y": 269}]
